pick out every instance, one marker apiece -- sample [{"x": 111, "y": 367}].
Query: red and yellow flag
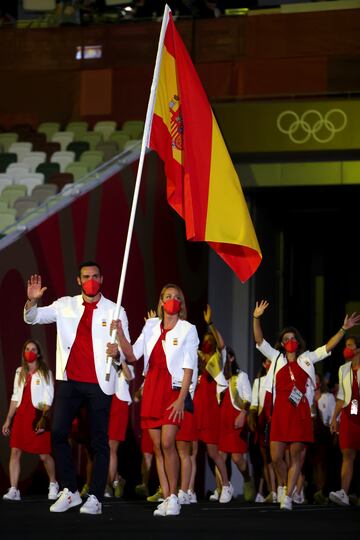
[{"x": 202, "y": 184}]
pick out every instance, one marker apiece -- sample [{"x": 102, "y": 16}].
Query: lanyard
[{"x": 291, "y": 374}]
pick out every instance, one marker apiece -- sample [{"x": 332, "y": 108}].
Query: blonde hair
[
  {"x": 160, "y": 309},
  {"x": 41, "y": 365}
]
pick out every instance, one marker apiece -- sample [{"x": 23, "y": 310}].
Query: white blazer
[
  {"x": 345, "y": 383},
  {"x": 66, "y": 312},
  {"x": 180, "y": 347},
  {"x": 122, "y": 390},
  {"x": 258, "y": 394},
  {"x": 42, "y": 392},
  {"x": 326, "y": 406},
  {"x": 306, "y": 361}
]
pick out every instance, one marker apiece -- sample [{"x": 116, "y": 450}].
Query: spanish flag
[{"x": 202, "y": 184}]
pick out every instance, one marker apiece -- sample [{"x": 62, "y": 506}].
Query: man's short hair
[{"x": 89, "y": 263}]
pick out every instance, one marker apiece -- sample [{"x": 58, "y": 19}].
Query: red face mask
[
  {"x": 30, "y": 356},
  {"x": 291, "y": 345},
  {"x": 207, "y": 347},
  {"x": 348, "y": 353},
  {"x": 91, "y": 287},
  {"x": 172, "y": 306}
]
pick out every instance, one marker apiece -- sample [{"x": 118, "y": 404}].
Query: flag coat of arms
[{"x": 202, "y": 184}]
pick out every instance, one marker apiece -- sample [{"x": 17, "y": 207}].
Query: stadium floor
[{"x": 30, "y": 518}]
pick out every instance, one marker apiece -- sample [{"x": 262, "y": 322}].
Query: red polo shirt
[{"x": 81, "y": 365}]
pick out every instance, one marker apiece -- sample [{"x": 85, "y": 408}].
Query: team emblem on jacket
[
  {"x": 175, "y": 341},
  {"x": 103, "y": 322},
  {"x": 37, "y": 381}
]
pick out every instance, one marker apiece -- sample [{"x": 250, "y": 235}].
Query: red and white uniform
[
  {"x": 119, "y": 411},
  {"x": 349, "y": 389}
]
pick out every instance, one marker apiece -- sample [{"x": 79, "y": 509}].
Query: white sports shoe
[
  {"x": 259, "y": 498},
  {"x": 286, "y": 503},
  {"x": 214, "y": 496},
  {"x": 192, "y": 496},
  {"x": 66, "y": 500},
  {"x": 173, "y": 506},
  {"x": 271, "y": 498},
  {"x": 280, "y": 493},
  {"x": 298, "y": 498},
  {"x": 53, "y": 491},
  {"x": 91, "y": 506},
  {"x": 183, "y": 497},
  {"x": 13, "y": 494},
  {"x": 160, "y": 510},
  {"x": 226, "y": 493},
  {"x": 339, "y": 497}
]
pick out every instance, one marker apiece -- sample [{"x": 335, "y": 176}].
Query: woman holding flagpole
[{"x": 168, "y": 344}]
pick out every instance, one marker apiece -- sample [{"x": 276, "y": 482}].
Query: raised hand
[
  {"x": 260, "y": 308},
  {"x": 207, "y": 314},
  {"x": 34, "y": 288},
  {"x": 351, "y": 320}
]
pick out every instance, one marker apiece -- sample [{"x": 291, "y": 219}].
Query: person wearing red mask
[
  {"x": 83, "y": 335},
  {"x": 291, "y": 381},
  {"x": 26, "y": 422},
  {"x": 168, "y": 344},
  {"x": 348, "y": 404}
]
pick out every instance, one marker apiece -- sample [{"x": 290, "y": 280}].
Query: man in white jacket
[{"x": 83, "y": 332}]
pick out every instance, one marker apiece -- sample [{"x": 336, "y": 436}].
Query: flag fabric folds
[{"x": 202, "y": 184}]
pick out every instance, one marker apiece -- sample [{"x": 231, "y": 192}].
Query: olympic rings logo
[{"x": 311, "y": 124}]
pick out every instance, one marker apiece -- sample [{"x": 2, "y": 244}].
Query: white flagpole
[{"x": 144, "y": 144}]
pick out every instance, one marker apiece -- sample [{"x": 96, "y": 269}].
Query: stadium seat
[
  {"x": 23, "y": 204},
  {"x": 120, "y": 137},
  {"x": 78, "y": 147},
  {"x": 48, "y": 147},
  {"x": 49, "y": 128},
  {"x": 105, "y": 127},
  {"x": 31, "y": 180},
  {"x": 109, "y": 149},
  {"x": 17, "y": 171},
  {"x": 34, "y": 159},
  {"x": 48, "y": 170},
  {"x": 41, "y": 193},
  {"x": 13, "y": 192},
  {"x": 21, "y": 149},
  {"x": 6, "y": 158},
  {"x": 134, "y": 128},
  {"x": 61, "y": 179},
  {"x": 77, "y": 169},
  {"x": 92, "y": 159},
  {"x": 63, "y": 138},
  {"x": 93, "y": 138},
  {"x": 5, "y": 180},
  {"x": 77, "y": 128},
  {"x": 63, "y": 158},
  {"x": 7, "y": 139},
  {"x": 5, "y": 221}
]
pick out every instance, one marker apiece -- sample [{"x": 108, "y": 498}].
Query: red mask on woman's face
[
  {"x": 30, "y": 356},
  {"x": 291, "y": 345},
  {"x": 348, "y": 353},
  {"x": 91, "y": 287},
  {"x": 172, "y": 306}
]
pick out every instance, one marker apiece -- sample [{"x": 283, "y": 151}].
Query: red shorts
[{"x": 118, "y": 421}]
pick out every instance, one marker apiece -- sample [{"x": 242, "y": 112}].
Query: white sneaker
[
  {"x": 13, "y": 494},
  {"x": 183, "y": 497},
  {"x": 259, "y": 498},
  {"x": 160, "y": 510},
  {"x": 173, "y": 506},
  {"x": 286, "y": 503},
  {"x": 192, "y": 496},
  {"x": 91, "y": 506},
  {"x": 338, "y": 497},
  {"x": 271, "y": 498},
  {"x": 66, "y": 500},
  {"x": 226, "y": 493},
  {"x": 108, "y": 493},
  {"x": 214, "y": 496},
  {"x": 298, "y": 498},
  {"x": 53, "y": 491}
]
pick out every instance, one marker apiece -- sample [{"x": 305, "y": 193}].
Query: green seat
[
  {"x": 78, "y": 128},
  {"x": 92, "y": 138},
  {"x": 49, "y": 128},
  {"x": 78, "y": 147},
  {"x": 7, "y": 139},
  {"x": 11, "y": 193},
  {"x": 109, "y": 149},
  {"x": 120, "y": 137},
  {"x": 134, "y": 128},
  {"x": 105, "y": 127},
  {"x": 77, "y": 169},
  {"x": 5, "y": 221},
  {"x": 92, "y": 159}
]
